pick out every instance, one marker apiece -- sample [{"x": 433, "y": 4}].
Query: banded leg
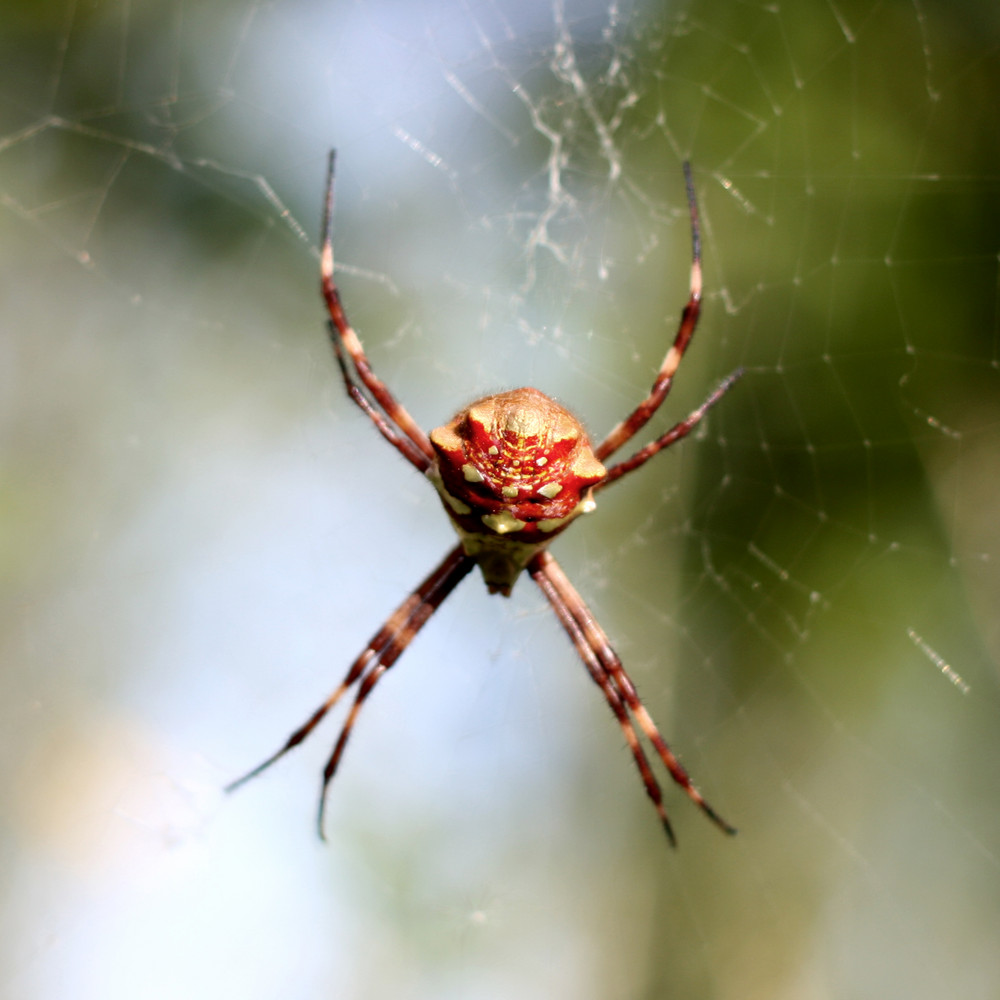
[
  {"x": 685, "y": 331},
  {"x": 543, "y": 566},
  {"x": 609, "y": 689},
  {"x": 414, "y": 445},
  {"x": 680, "y": 430},
  {"x": 387, "y": 644},
  {"x": 402, "y": 444},
  {"x": 444, "y": 580}
]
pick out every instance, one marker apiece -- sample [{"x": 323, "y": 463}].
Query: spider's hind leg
[{"x": 380, "y": 405}]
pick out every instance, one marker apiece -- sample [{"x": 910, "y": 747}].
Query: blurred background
[{"x": 198, "y": 532}]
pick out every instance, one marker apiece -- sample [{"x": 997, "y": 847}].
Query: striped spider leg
[{"x": 513, "y": 470}]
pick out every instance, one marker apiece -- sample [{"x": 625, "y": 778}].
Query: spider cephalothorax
[{"x": 513, "y": 470}]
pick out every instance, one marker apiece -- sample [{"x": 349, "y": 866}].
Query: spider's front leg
[
  {"x": 606, "y": 669},
  {"x": 385, "y": 647},
  {"x": 601, "y": 677}
]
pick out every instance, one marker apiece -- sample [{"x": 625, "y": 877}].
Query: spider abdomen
[{"x": 513, "y": 470}]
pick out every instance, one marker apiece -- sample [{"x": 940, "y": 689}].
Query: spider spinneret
[{"x": 513, "y": 470}]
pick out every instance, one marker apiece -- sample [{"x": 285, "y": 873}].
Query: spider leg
[
  {"x": 378, "y": 642},
  {"x": 456, "y": 563},
  {"x": 685, "y": 331},
  {"x": 402, "y": 444},
  {"x": 608, "y": 687},
  {"x": 680, "y": 430},
  {"x": 432, "y": 593},
  {"x": 544, "y": 566},
  {"x": 414, "y": 445}
]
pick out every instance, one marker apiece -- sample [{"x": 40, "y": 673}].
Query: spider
[{"x": 513, "y": 471}]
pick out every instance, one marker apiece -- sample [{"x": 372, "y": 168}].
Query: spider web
[{"x": 200, "y": 532}]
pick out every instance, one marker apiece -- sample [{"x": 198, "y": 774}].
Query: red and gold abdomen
[{"x": 513, "y": 471}]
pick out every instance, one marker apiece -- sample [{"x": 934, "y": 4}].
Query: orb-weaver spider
[{"x": 513, "y": 471}]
